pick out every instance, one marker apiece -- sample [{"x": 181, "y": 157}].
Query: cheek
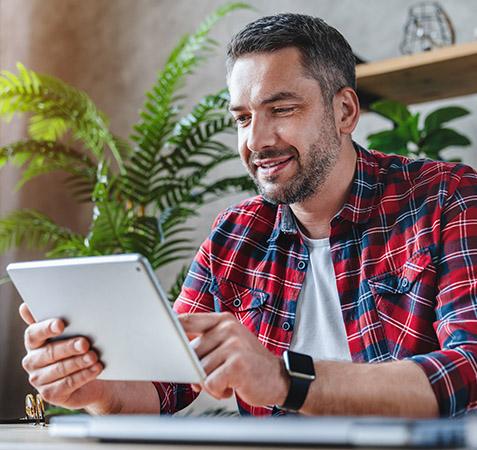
[{"x": 243, "y": 150}]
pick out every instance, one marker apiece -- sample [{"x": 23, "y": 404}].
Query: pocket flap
[
  {"x": 237, "y": 297},
  {"x": 401, "y": 280}
]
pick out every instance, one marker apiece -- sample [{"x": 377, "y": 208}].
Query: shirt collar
[{"x": 357, "y": 208}]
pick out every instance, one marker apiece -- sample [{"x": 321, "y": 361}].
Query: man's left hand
[{"x": 234, "y": 360}]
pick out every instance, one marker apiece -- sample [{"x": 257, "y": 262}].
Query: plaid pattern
[{"x": 404, "y": 250}]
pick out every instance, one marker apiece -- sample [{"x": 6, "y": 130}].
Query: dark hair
[{"x": 326, "y": 55}]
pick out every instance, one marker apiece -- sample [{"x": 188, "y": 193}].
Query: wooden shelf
[{"x": 422, "y": 77}]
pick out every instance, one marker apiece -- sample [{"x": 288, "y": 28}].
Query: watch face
[{"x": 300, "y": 363}]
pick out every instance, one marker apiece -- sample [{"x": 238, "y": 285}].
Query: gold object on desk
[{"x": 35, "y": 407}]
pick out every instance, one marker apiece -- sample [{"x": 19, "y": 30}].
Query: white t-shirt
[{"x": 319, "y": 327}]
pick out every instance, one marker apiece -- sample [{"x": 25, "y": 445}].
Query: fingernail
[
  {"x": 87, "y": 358},
  {"x": 77, "y": 345},
  {"x": 95, "y": 368},
  {"x": 55, "y": 326}
]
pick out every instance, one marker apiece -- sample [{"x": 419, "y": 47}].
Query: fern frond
[
  {"x": 225, "y": 186},
  {"x": 193, "y": 135},
  {"x": 171, "y": 218},
  {"x": 186, "y": 189},
  {"x": 30, "y": 228},
  {"x": 176, "y": 288},
  {"x": 170, "y": 251},
  {"x": 72, "y": 248},
  {"x": 162, "y": 104},
  {"x": 40, "y": 157},
  {"x": 81, "y": 187},
  {"x": 56, "y": 107},
  {"x": 143, "y": 236},
  {"x": 109, "y": 228}
]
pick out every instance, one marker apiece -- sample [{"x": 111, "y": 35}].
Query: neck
[{"x": 316, "y": 212}]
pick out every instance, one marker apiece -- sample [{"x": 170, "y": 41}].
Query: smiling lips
[{"x": 271, "y": 166}]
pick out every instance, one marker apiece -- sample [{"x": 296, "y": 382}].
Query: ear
[{"x": 346, "y": 109}]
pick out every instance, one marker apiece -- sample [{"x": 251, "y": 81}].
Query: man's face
[{"x": 287, "y": 138}]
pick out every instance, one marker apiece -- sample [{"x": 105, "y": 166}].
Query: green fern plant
[{"x": 144, "y": 189}]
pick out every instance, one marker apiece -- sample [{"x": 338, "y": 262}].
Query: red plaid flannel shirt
[{"x": 404, "y": 249}]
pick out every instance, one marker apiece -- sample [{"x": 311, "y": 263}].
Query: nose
[{"x": 261, "y": 134}]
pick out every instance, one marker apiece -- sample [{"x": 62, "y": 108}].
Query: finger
[
  {"x": 199, "y": 323},
  {"x": 217, "y": 385},
  {"x": 37, "y": 333},
  {"x": 61, "y": 369},
  {"x": 209, "y": 341},
  {"x": 54, "y": 352},
  {"x": 61, "y": 390},
  {"x": 196, "y": 387},
  {"x": 213, "y": 361},
  {"x": 26, "y": 314}
]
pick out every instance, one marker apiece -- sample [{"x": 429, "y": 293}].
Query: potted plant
[
  {"x": 410, "y": 138},
  {"x": 143, "y": 189}
]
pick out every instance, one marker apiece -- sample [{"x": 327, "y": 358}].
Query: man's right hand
[{"x": 64, "y": 372}]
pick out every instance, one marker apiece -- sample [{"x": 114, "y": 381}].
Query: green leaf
[
  {"x": 388, "y": 141},
  {"x": 108, "y": 232},
  {"x": 162, "y": 106},
  {"x": 395, "y": 111},
  {"x": 41, "y": 157},
  {"x": 225, "y": 186},
  {"x": 32, "y": 229},
  {"x": 442, "y": 138},
  {"x": 176, "y": 288},
  {"x": 56, "y": 107},
  {"x": 442, "y": 115}
]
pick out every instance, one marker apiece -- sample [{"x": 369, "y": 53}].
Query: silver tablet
[{"x": 117, "y": 302}]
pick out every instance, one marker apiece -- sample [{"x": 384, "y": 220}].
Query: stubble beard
[{"x": 313, "y": 170}]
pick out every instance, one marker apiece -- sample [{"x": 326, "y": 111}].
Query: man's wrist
[
  {"x": 110, "y": 401},
  {"x": 283, "y": 384}
]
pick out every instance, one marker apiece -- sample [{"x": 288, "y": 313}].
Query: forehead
[{"x": 256, "y": 76}]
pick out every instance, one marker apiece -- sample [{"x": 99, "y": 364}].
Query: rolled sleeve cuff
[
  {"x": 453, "y": 378},
  {"x": 174, "y": 397}
]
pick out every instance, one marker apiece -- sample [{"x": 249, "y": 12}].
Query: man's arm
[
  {"x": 398, "y": 388},
  {"x": 234, "y": 360}
]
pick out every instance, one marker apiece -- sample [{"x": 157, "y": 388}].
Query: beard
[{"x": 314, "y": 167}]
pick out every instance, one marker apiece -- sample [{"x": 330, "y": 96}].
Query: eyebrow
[{"x": 279, "y": 96}]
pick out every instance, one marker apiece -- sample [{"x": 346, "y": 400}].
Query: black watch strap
[
  {"x": 296, "y": 394},
  {"x": 301, "y": 371}
]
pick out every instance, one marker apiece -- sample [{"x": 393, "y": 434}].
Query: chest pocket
[
  {"x": 405, "y": 302},
  {"x": 244, "y": 302}
]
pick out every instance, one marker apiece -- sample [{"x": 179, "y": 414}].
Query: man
[{"x": 361, "y": 263}]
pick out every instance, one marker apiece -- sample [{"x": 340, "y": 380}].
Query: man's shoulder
[
  {"x": 397, "y": 168},
  {"x": 245, "y": 213}
]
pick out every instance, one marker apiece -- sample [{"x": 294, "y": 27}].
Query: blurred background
[{"x": 112, "y": 49}]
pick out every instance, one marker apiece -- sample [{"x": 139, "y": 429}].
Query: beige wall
[{"x": 112, "y": 49}]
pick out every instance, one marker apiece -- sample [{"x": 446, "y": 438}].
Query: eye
[
  {"x": 284, "y": 110},
  {"x": 242, "y": 119}
]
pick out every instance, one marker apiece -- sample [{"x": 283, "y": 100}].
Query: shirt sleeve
[
  {"x": 194, "y": 297},
  {"x": 452, "y": 371}
]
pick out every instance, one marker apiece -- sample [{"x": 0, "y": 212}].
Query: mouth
[{"x": 271, "y": 166}]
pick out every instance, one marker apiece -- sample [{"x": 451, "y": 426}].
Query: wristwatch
[{"x": 301, "y": 370}]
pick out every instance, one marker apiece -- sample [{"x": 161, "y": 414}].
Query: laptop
[{"x": 285, "y": 431}]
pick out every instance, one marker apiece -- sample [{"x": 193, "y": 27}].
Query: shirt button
[
  {"x": 301, "y": 265},
  {"x": 286, "y": 326},
  {"x": 237, "y": 302},
  {"x": 405, "y": 282}
]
